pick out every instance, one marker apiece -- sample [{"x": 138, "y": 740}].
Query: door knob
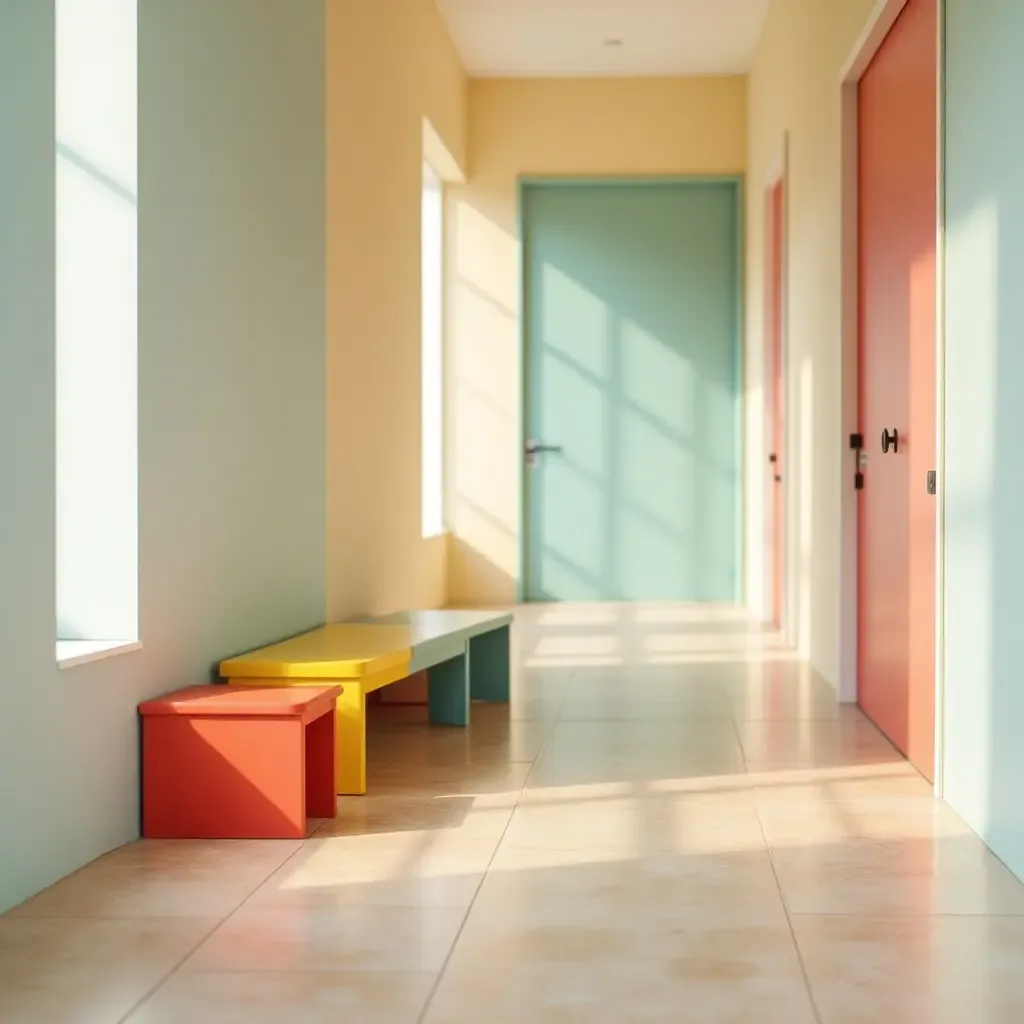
[{"x": 890, "y": 440}]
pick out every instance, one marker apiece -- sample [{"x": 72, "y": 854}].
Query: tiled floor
[{"x": 672, "y": 822}]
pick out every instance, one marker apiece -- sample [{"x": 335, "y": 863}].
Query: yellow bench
[
  {"x": 465, "y": 654},
  {"x": 362, "y": 657}
]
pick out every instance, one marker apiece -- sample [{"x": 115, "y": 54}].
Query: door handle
[
  {"x": 890, "y": 440},
  {"x": 535, "y": 447}
]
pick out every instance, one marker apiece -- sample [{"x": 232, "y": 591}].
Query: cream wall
[
  {"x": 536, "y": 127},
  {"x": 390, "y": 64},
  {"x": 794, "y": 88}
]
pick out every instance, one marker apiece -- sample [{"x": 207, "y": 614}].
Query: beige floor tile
[
  {"x": 852, "y": 740},
  {"x": 561, "y": 769},
  {"x": 755, "y": 706},
  {"x": 788, "y": 675},
  {"x": 937, "y": 970},
  {"x": 603, "y": 887},
  {"x": 81, "y": 971},
  {"x": 532, "y": 708},
  {"x": 412, "y": 869},
  {"x": 481, "y": 817},
  {"x": 93, "y": 894},
  {"x": 823, "y": 756},
  {"x": 621, "y": 843},
  {"x": 279, "y": 998},
  {"x": 810, "y": 822},
  {"x": 627, "y": 707},
  {"x": 786, "y": 692},
  {"x": 328, "y": 937},
  {"x": 598, "y": 752},
  {"x": 200, "y": 857},
  {"x": 188, "y": 878},
  {"x": 896, "y": 877},
  {"x": 659, "y": 734},
  {"x": 724, "y": 972},
  {"x": 555, "y": 973},
  {"x": 487, "y": 740},
  {"x": 398, "y": 779},
  {"x": 843, "y": 782},
  {"x": 529, "y": 859},
  {"x": 664, "y": 686},
  {"x": 540, "y": 793},
  {"x": 645, "y": 823}
]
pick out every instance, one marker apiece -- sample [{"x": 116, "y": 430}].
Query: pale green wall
[
  {"x": 984, "y": 430},
  {"x": 231, "y": 336}
]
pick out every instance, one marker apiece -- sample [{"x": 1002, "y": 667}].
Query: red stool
[{"x": 236, "y": 762}]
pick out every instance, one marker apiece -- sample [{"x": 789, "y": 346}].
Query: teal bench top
[
  {"x": 442, "y": 634},
  {"x": 466, "y": 624}
]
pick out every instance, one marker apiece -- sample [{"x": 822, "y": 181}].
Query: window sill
[{"x": 81, "y": 652}]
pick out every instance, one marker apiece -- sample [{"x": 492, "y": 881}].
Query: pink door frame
[{"x": 774, "y": 399}]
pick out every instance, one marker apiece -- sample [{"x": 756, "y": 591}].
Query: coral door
[{"x": 897, "y": 152}]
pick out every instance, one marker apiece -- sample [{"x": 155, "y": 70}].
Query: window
[
  {"x": 97, "y": 328},
  {"x": 432, "y": 371}
]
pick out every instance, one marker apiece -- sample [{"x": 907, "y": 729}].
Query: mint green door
[{"x": 632, "y": 391}]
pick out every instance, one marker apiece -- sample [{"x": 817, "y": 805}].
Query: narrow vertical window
[
  {"x": 432, "y": 353},
  {"x": 97, "y": 327}
]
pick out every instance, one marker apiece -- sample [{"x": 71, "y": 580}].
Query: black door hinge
[
  {"x": 856, "y": 442},
  {"x": 858, "y": 481},
  {"x": 932, "y": 482}
]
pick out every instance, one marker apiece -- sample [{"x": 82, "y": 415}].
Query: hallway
[{"x": 674, "y": 823}]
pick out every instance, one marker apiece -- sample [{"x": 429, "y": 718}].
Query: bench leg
[
  {"x": 321, "y": 799},
  {"x": 350, "y": 741},
  {"x": 448, "y": 692},
  {"x": 490, "y": 665}
]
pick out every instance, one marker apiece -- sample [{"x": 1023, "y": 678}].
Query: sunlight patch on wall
[
  {"x": 573, "y": 318},
  {"x": 975, "y": 240},
  {"x": 803, "y": 429},
  {"x": 659, "y": 382},
  {"x": 972, "y": 312},
  {"x": 483, "y": 420},
  {"x": 486, "y": 257}
]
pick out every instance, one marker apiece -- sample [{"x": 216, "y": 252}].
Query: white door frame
[{"x": 879, "y": 23}]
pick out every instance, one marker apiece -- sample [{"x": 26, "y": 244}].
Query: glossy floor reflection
[{"x": 672, "y": 822}]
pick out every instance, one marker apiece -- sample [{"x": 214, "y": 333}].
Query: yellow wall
[
  {"x": 390, "y": 63},
  {"x": 794, "y": 87},
  {"x": 574, "y": 127}
]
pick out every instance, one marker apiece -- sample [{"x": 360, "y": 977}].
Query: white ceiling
[{"x": 566, "y": 37}]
